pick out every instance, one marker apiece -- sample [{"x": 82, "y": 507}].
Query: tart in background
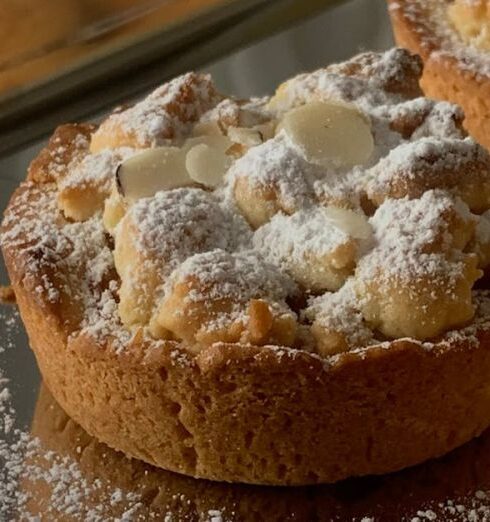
[{"x": 453, "y": 39}]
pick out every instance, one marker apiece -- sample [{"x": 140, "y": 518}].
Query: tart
[
  {"x": 273, "y": 291},
  {"x": 452, "y": 37},
  {"x": 100, "y": 476}
]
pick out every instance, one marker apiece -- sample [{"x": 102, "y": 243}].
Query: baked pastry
[
  {"x": 452, "y": 37},
  {"x": 107, "y": 483},
  {"x": 274, "y": 291}
]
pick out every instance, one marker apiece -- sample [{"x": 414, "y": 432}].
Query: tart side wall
[{"x": 259, "y": 415}]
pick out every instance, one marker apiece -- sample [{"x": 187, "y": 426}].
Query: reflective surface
[{"x": 70, "y": 476}]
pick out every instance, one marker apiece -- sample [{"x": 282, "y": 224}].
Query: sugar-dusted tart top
[{"x": 344, "y": 211}]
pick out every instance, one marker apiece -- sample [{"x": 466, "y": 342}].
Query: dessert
[
  {"x": 107, "y": 483},
  {"x": 452, "y": 37},
  {"x": 233, "y": 290}
]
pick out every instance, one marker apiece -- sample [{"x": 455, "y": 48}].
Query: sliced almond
[
  {"x": 244, "y": 136},
  {"x": 330, "y": 134},
  {"x": 220, "y": 143},
  {"x": 207, "y": 164},
  {"x": 267, "y": 129},
  {"x": 207, "y": 128},
  {"x": 352, "y": 223},
  {"x": 143, "y": 175}
]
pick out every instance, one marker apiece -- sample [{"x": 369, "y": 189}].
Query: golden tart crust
[
  {"x": 453, "y": 69},
  {"x": 247, "y": 412}
]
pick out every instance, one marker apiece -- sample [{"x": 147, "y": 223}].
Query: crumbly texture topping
[
  {"x": 345, "y": 254},
  {"x": 228, "y": 276},
  {"x": 166, "y": 113}
]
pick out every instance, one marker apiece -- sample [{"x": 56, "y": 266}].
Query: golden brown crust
[
  {"x": 162, "y": 492},
  {"x": 258, "y": 414},
  {"x": 445, "y": 77},
  {"x": 7, "y": 295},
  {"x": 53, "y": 161}
]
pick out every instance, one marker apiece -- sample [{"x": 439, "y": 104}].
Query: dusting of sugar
[
  {"x": 173, "y": 225},
  {"x": 278, "y": 164},
  {"x": 440, "y": 39},
  {"x": 240, "y": 277},
  {"x": 188, "y": 230},
  {"x": 411, "y": 238},
  {"x": 168, "y": 112},
  {"x": 339, "y": 312},
  {"x": 96, "y": 169},
  {"x": 428, "y": 161}
]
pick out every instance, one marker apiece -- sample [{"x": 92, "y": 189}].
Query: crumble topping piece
[
  {"x": 461, "y": 166},
  {"x": 337, "y": 322},
  {"x": 416, "y": 281},
  {"x": 82, "y": 192},
  {"x": 317, "y": 247},
  {"x": 159, "y": 233},
  {"x": 272, "y": 177},
  {"x": 367, "y": 80},
  {"x": 222, "y": 297},
  {"x": 166, "y": 114},
  {"x": 68, "y": 145}
]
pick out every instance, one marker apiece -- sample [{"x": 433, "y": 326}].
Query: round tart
[
  {"x": 274, "y": 291},
  {"x": 452, "y": 37}
]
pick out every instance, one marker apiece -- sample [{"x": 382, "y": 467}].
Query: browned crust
[
  {"x": 444, "y": 76},
  {"x": 465, "y": 471},
  {"x": 53, "y": 160},
  {"x": 7, "y": 295},
  {"x": 250, "y": 414}
]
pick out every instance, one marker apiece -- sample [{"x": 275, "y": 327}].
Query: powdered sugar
[
  {"x": 440, "y": 40},
  {"x": 166, "y": 113},
  {"x": 96, "y": 169},
  {"x": 277, "y": 163},
  {"x": 232, "y": 276},
  {"x": 418, "y": 145},
  {"x": 426, "y": 163},
  {"x": 412, "y": 237},
  {"x": 175, "y": 224}
]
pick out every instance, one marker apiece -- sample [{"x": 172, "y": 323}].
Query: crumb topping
[{"x": 299, "y": 243}]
